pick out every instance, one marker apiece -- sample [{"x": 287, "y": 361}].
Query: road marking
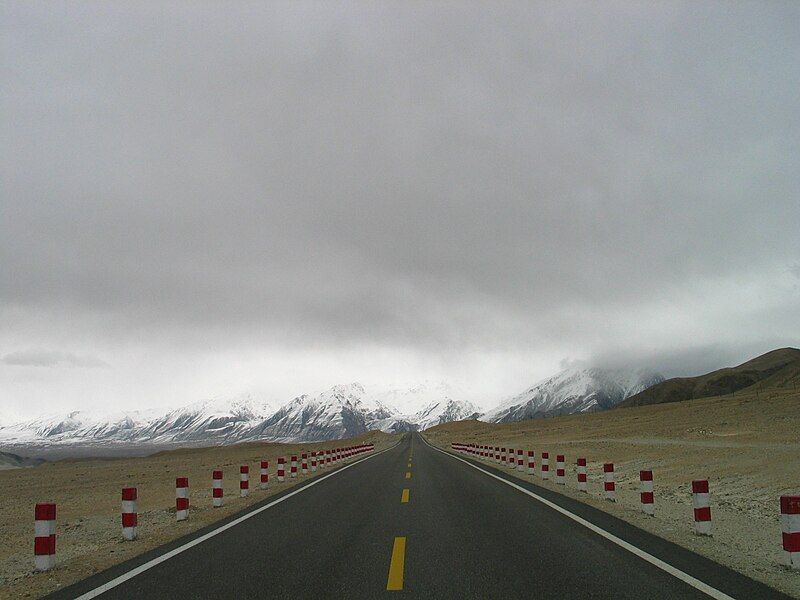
[
  {"x": 646, "y": 556},
  {"x": 404, "y": 497},
  {"x": 408, "y": 475},
  {"x": 396, "y": 566},
  {"x": 167, "y": 555}
]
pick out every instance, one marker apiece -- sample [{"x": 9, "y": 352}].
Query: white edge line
[
  {"x": 206, "y": 536},
  {"x": 657, "y": 562}
]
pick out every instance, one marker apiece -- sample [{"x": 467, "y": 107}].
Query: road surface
[{"x": 416, "y": 522}]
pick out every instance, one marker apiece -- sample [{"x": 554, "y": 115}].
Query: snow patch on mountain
[
  {"x": 341, "y": 411},
  {"x": 574, "y": 390}
]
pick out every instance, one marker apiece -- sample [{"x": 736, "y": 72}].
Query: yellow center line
[
  {"x": 396, "y": 567},
  {"x": 404, "y": 497},
  {"x": 408, "y": 475}
]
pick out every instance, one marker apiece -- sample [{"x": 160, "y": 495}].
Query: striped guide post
[
  {"x": 497, "y": 455},
  {"x": 327, "y": 457},
  {"x": 244, "y": 480},
  {"x": 520, "y": 460},
  {"x": 264, "y": 484},
  {"x": 531, "y": 463},
  {"x": 313, "y": 461},
  {"x": 790, "y": 530},
  {"x": 511, "y": 461},
  {"x": 304, "y": 463},
  {"x": 44, "y": 541},
  {"x": 130, "y": 515},
  {"x": 181, "y": 498},
  {"x": 281, "y": 468},
  {"x": 609, "y": 485},
  {"x": 216, "y": 490},
  {"x": 646, "y": 491},
  {"x": 545, "y": 465},
  {"x": 293, "y": 467},
  {"x": 701, "y": 502},
  {"x": 581, "y": 468},
  {"x": 503, "y": 456},
  {"x": 561, "y": 471}
]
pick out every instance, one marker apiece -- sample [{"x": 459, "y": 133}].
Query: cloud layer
[{"x": 296, "y": 194}]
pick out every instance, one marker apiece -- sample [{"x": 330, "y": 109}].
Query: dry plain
[
  {"x": 87, "y": 493},
  {"x": 747, "y": 446}
]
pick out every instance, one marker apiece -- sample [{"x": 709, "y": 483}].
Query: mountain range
[{"x": 339, "y": 412}]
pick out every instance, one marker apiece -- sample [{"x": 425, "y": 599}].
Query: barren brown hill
[{"x": 778, "y": 368}]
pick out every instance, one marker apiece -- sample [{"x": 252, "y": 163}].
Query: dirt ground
[
  {"x": 747, "y": 447},
  {"x": 88, "y": 491}
]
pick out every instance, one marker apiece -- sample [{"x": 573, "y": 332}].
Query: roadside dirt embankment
[
  {"x": 747, "y": 447},
  {"x": 88, "y": 491}
]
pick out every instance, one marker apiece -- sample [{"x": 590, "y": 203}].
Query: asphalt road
[{"x": 455, "y": 533}]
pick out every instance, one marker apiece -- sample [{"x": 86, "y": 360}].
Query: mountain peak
[{"x": 574, "y": 389}]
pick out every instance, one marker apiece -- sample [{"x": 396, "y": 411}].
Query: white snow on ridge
[
  {"x": 341, "y": 411},
  {"x": 574, "y": 390}
]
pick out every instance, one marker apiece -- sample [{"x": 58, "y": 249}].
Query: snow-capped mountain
[
  {"x": 213, "y": 421},
  {"x": 341, "y": 411},
  {"x": 445, "y": 411},
  {"x": 574, "y": 391}
]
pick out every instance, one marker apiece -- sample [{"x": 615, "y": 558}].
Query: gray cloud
[
  {"x": 50, "y": 358},
  {"x": 445, "y": 181}
]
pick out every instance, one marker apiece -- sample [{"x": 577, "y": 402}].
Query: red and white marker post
[
  {"x": 581, "y": 468},
  {"x": 545, "y": 465},
  {"x": 304, "y": 462},
  {"x": 281, "y": 468},
  {"x": 181, "y": 498},
  {"x": 531, "y": 463},
  {"x": 130, "y": 515},
  {"x": 244, "y": 480},
  {"x": 646, "y": 491},
  {"x": 609, "y": 484},
  {"x": 561, "y": 471},
  {"x": 44, "y": 541},
  {"x": 701, "y": 502},
  {"x": 264, "y": 484},
  {"x": 294, "y": 467},
  {"x": 327, "y": 457},
  {"x": 511, "y": 461},
  {"x": 790, "y": 530},
  {"x": 313, "y": 461},
  {"x": 520, "y": 461},
  {"x": 216, "y": 490}
]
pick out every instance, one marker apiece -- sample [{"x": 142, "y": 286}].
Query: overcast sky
[{"x": 202, "y": 200}]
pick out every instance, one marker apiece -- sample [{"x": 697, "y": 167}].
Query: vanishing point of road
[{"x": 419, "y": 522}]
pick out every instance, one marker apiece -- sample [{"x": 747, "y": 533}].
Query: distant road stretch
[{"x": 416, "y": 521}]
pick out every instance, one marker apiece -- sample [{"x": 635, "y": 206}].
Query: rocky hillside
[{"x": 779, "y": 368}]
